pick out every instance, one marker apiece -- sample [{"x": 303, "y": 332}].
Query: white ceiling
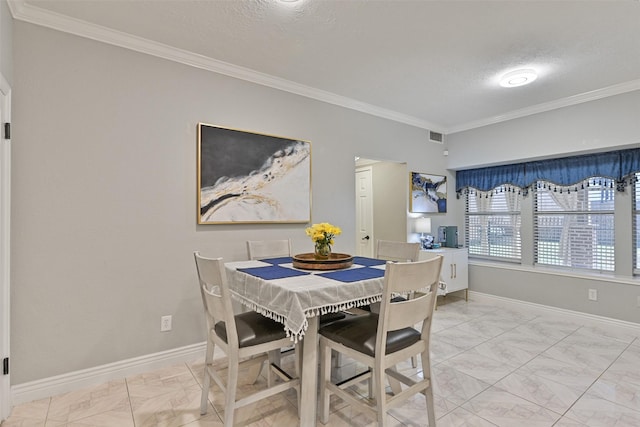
[{"x": 433, "y": 64}]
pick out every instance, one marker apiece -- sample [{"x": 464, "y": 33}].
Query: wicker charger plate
[{"x": 336, "y": 261}]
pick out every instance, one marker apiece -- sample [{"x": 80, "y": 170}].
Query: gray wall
[
  {"x": 104, "y": 193},
  {"x": 390, "y": 201},
  {"x": 6, "y": 42},
  {"x": 616, "y": 299},
  {"x": 600, "y": 125},
  {"x": 604, "y": 124}
]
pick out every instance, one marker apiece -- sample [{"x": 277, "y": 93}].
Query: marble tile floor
[{"x": 492, "y": 365}]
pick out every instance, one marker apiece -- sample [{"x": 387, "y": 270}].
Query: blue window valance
[
  {"x": 571, "y": 170},
  {"x": 618, "y": 165},
  {"x": 485, "y": 179},
  {"x": 629, "y": 162}
]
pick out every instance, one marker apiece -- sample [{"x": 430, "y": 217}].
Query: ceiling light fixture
[
  {"x": 290, "y": 4},
  {"x": 518, "y": 78}
]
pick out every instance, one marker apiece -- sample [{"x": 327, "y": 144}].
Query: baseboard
[
  {"x": 47, "y": 387},
  {"x": 591, "y": 318}
]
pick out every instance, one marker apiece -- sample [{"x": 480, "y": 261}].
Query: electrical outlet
[
  {"x": 593, "y": 294},
  {"x": 165, "y": 323}
]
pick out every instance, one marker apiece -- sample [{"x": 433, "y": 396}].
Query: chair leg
[
  {"x": 274, "y": 358},
  {"x": 206, "y": 382},
  {"x": 428, "y": 393},
  {"x": 277, "y": 357},
  {"x": 298, "y": 363},
  {"x": 254, "y": 372},
  {"x": 336, "y": 356},
  {"x": 381, "y": 407},
  {"x": 414, "y": 362},
  {"x": 232, "y": 389},
  {"x": 430, "y": 406},
  {"x": 325, "y": 377},
  {"x": 396, "y": 387}
]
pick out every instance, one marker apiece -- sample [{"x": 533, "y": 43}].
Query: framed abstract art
[
  {"x": 428, "y": 193},
  {"x": 247, "y": 177}
]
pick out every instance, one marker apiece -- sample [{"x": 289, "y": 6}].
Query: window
[
  {"x": 574, "y": 226},
  {"x": 636, "y": 224},
  {"x": 493, "y": 223}
]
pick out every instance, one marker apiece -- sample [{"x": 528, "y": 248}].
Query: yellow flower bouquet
[{"x": 322, "y": 235}]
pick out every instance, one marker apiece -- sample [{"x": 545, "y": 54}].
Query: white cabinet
[{"x": 454, "y": 275}]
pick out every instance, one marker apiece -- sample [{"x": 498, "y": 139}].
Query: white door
[
  {"x": 5, "y": 192},
  {"x": 364, "y": 212}
]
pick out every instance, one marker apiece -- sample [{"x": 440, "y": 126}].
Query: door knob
[{"x": 365, "y": 238}]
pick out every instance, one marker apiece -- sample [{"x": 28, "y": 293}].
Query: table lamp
[{"x": 422, "y": 226}]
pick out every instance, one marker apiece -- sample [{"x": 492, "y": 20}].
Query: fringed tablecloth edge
[
  {"x": 295, "y": 336},
  {"x": 346, "y": 305}
]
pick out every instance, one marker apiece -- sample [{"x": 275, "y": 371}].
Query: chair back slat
[
  {"x": 397, "y": 251},
  {"x": 420, "y": 277},
  {"x": 408, "y": 313},
  {"x": 414, "y": 276},
  {"x": 214, "y": 304},
  {"x": 260, "y": 249},
  {"x": 216, "y": 298}
]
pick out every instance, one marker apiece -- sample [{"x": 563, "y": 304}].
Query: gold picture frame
[{"x": 248, "y": 177}]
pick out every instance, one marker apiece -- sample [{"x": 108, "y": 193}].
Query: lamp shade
[{"x": 423, "y": 225}]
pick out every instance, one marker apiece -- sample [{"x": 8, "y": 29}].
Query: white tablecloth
[{"x": 292, "y": 300}]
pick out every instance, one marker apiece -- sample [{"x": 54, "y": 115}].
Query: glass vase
[{"x": 323, "y": 251}]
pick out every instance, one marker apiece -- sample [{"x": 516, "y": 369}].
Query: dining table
[{"x": 296, "y": 297}]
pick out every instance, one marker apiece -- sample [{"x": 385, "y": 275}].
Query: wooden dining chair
[
  {"x": 261, "y": 249},
  {"x": 383, "y": 340},
  {"x": 390, "y": 250},
  {"x": 243, "y": 336},
  {"x": 397, "y": 251}
]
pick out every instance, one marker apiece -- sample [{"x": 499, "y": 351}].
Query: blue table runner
[
  {"x": 276, "y": 271},
  {"x": 276, "y": 261},
  {"x": 272, "y": 272},
  {"x": 354, "y": 274},
  {"x": 368, "y": 262}
]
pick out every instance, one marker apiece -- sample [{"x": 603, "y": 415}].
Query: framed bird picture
[{"x": 428, "y": 193}]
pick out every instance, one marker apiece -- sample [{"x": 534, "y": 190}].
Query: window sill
[{"x": 627, "y": 280}]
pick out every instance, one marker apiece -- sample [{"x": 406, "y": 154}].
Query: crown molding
[
  {"x": 553, "y": 105},
  {"x": 34, "y": 15},
  {"x": 38, "y": 16}
]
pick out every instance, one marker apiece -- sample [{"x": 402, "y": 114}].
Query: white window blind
[
  {"x": 574, "y": 226},
  {"x": 493, "y": 224},
  {"x": 636, "y": 225}
]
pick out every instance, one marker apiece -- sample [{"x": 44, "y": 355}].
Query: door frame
[{"x": 5, "y": 245}]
